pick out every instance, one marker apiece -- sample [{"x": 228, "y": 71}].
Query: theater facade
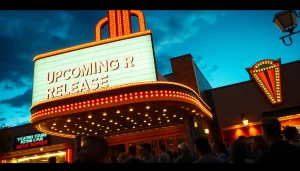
[
  {"x": 272, "y": 91},
  {"x": 111, "y": 87}
]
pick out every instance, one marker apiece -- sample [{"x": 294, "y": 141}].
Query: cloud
[
  {"x": 22, "y": 113},
  {"x": 214, "y": 68},
  {"x": 7, "y": 87},
  {"x": 204, "y": 67},
  {"x": 20, "y": 100},
  {"x": 2, "y": 118},
  {"x": 179, "y": 26},
  {"x": 24, "y": 34}
]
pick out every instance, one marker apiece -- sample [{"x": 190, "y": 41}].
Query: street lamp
[{"x": 286, "y": 21}]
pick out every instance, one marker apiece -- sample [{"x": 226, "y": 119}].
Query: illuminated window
[{"x": 40, "y": 158}]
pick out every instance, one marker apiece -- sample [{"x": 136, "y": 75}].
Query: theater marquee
[{"x": 126, "y": 61}]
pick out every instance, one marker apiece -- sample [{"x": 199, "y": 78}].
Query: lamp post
[{"x": 286, "y": 21}]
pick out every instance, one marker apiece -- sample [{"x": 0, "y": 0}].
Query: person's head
[
  {"x": 291, "y": 133},
  {"x": 226, "y": 142},
  {"x": 112, "y": 160},
  {"x": 122, "y": 157},
  {"x": 94, "y": 150},
  {"x": 218, "y": 147},
  {"x": 132, "y": 151},
  {"x": 52, "y": 159},
  {"x": 260, "y": 144},
  {"x": 271, "y": 129},
  {"x": 185, "y": 148},
  {"x": 145, "y": 150},
  {"x": 242, "y": 138},
  {"x": 163, "y": 148},
  {"x": 201, "y": 146},
  {"x": 239, "y": 152}
]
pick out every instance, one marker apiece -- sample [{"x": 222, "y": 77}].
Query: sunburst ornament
[{"x": 267, "y": 75}]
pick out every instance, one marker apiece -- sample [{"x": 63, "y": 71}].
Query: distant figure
[
  {"x": 122, "y": 157},
  {"x": 52, "y": 159},
  {"x": 239, "y": 153},
  {"x": 220, "y": 151},
  {"x": 132, "y": 151},
  {"x": 94, "y": 150},
  {"x": 292, "y": 135},
  {"x": 202, "y": 148},
  {"x": 112, "y": 160},
  {"x": 279, "y": 151},
  {"x": 146, "y": 153},
  {"x": 134, "y": 160},
  {"x": 186, "y": 156},
  {"x": 250, "y": 154},
  {"x": 260, "y": 146},
  {"x": 132, "y": 156},
  {"x": 228, "y": 146},
  {"x": 164, "y": 157}
]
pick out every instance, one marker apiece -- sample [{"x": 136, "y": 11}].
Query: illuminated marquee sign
[
  {"x": 266, "y": 73},
  {"x": 31, "y": 141},
  {"x": 123, "y": 58}
]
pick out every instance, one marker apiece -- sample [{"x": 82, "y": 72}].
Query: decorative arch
[
  {"x": 141, "y": 19},
  {"x": 99, "y": 28},
  {"x": 119, "y": 23}
]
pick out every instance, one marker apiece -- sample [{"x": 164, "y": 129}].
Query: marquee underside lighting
[
  {"x": 66, "y": 108},
  {"x": 119, "y": 119},
  {"x": 266, "y": 74}
]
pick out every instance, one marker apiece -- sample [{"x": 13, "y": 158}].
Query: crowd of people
[{"x": 268, "y": 148}]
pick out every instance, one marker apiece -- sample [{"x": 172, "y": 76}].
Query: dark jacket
[{"x": 280, "y": 152}]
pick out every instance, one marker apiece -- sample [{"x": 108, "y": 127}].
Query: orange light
[{"x": 191, "y": 99}]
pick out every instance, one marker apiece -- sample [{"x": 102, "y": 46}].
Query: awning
[{"x": 282, "y": 112}]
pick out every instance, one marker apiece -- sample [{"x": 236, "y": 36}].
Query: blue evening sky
[{"x": 223, "y": 44}]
